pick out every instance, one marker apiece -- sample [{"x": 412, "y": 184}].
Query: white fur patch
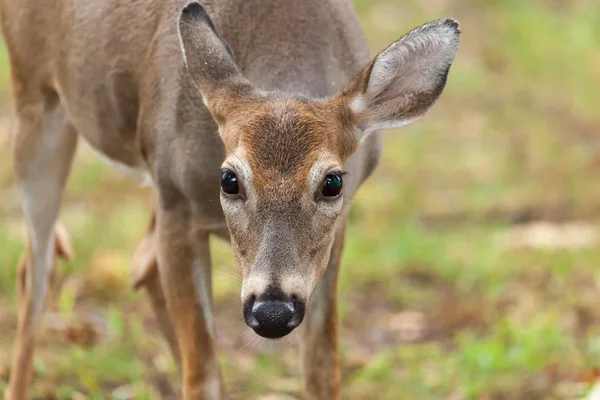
[
  {"x": 236, "y": 161},
  {"x": 358, "y": 104},
  {"x": 255, "y": 284},
  {"x": 393, "y": 124},
  {"x": 325, "y": 164},
  {"x": 297, "y": 284}
]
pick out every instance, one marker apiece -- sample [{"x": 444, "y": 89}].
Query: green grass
[{"x": 430, "y": 310}]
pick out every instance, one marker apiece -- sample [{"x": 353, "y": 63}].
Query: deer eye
[
  {"x": 229, "y": 182},
  {"x": 332, "y": 186}
]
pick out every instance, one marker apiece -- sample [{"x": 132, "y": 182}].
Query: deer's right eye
[{"x": 229, "y": 182}]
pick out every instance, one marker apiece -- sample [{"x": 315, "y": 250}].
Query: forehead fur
[
  {"x": 282, "y": 139},
  {"x": 284, "y": 136}
]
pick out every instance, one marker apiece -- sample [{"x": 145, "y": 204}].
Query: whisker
[
  {"x": 250, "y": 345},
  {"x": 231, "y": 276},
  {"x": 231, "y": 272}
]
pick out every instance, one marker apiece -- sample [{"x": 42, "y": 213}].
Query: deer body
[{"x": 170, "y": 94}]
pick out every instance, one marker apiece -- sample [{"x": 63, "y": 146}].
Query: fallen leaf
[
  {"x": 125, "y": 392},
  {"x": 82, "y": 329},
  {"x": 285, "y": 384},
  {"x": 552, "y": 236},
  {"x": 409, "y": 325},
  {"x": 591, "y": 376},
  {"x": 109, "y": 273}
]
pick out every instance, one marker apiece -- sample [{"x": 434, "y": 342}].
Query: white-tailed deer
[{"x": 264, "y": 148}]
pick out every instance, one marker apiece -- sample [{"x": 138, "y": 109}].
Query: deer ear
[
  {"x": 404, "y": 80},
  {"x": 209, "y": 60}
]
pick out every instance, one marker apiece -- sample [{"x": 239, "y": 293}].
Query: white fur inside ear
[
  {"x": 406, "y": 79},
  {"x": 394, "y": 124},
  {"x": 416, "y": 62}
]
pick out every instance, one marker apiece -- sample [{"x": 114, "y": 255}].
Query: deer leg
[
  {"x": 185, "y": 274},
  {"x": 43, "y": 151},
  {"x": 320, "y": 359},
  {"x": 146, "y": 275}
]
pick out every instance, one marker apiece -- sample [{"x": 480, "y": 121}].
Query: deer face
[
  {"x": 282, "y": 181},
  {"x": 282, "y": 192}
]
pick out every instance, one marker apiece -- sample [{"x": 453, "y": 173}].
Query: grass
[{"x": 434, "y": 303}]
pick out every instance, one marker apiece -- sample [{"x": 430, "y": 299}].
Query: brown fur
[{"x": 284, "y": 137}]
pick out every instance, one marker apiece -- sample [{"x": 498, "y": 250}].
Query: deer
[{"x": 252, "y": 120}]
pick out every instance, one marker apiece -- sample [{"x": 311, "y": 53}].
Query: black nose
[{"x": 273, "y": 314}]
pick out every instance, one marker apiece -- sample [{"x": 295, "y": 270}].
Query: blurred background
[{"x": 471, "y": 269}]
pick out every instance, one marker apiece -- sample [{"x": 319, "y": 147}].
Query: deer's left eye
[{"x": 332, "y": 187}]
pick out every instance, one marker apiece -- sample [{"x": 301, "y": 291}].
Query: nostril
[
  {"x": 290, "y": 306},
  {"x": 249, "y": 314},
  {"x": 256, "y": 305},
  {"x": 299, "y": 309}
]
